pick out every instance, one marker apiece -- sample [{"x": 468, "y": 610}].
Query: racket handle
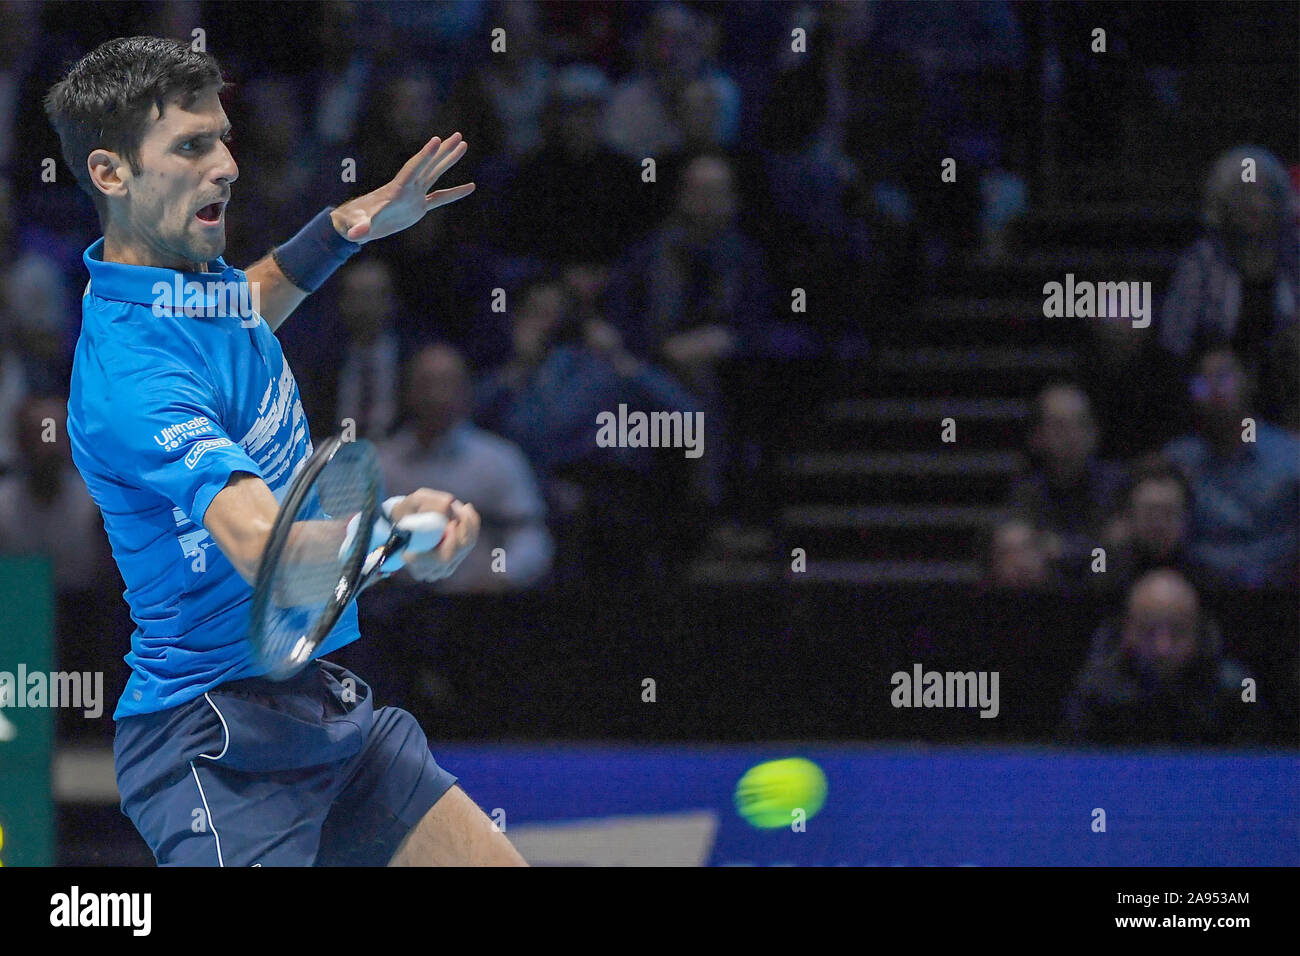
[{"x": 425, "y": 528}]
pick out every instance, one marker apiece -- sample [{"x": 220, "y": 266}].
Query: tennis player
[{"x": 185, "y": 423}]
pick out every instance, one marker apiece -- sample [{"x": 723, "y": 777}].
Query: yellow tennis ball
[{"x": 768, "y": 795}]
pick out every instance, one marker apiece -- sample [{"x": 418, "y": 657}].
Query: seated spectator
[
  {"x": 1069, "y": 492},
  {"x": 439, "y": 448},
  {"x": 1160, "y": 675},
  {"x": 695, "y": 290},
  {"x": 1245, "y": 494},
  {"x": 363, "y": 386},
  {"x": 1018, "y": 557},
  {"x": 549, "y": 218},
  {"x": 614, "y": 509},
  {"x": 498, "y": 105},
  {"x": 44, "y": 505},
  {"x": 13, "y": 390},
  {"x": 1152, "y": 529},
  {"x": 643, "y": 117},
  {"x": 39, "y": 309},
  {"x": 1239, "y": 284},
  {"x": 1122, "y": 368}
]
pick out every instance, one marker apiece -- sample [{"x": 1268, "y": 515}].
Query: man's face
[
  {"x": 1219, "y": 389},
  {"x": 174, "y": 210},
  {"x": 1159, "y": 516},
  {"x": 537, "y": 317},
  {"x": 1160, "y": 626},
  {"x": 708, "y": 201},
  {"x": 1066, "y": 435},
  {"x": 366, "y": 301},
  {"x": 1018, "y": 559},
  {"x": 439, "y": 390}
]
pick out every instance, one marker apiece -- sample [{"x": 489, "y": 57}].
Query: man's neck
[{"x": 131, "y": 255}]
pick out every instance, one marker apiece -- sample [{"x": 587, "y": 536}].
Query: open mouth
[{"x": 211, "y": 213}]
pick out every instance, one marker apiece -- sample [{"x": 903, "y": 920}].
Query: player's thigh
[
  {"x": 391, "y": 784},
  {"x": 456, "y": 832}
]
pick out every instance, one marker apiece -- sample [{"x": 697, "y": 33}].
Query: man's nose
[{"x": 229, "y": 169}]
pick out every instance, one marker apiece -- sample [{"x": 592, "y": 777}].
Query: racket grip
[{"x": 426, "y": 529}]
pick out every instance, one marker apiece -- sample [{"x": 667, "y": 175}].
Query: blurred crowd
[{"x": 652, "y": 181}]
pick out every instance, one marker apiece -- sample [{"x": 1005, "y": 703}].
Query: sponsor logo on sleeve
[
  {"x": 202, "y": 448},
  {"x": 173, "y": 436}
]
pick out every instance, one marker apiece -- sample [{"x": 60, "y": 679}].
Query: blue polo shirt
[{"x": 178, "y": 383}]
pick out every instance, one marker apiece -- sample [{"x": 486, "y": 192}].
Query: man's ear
[{"x": 108, "y": 172}]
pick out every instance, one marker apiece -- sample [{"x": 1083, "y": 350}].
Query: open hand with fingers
[{"x": 404, "y": 201}]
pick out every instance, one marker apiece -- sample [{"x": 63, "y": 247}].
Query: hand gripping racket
[{"x": 318, "y": 558}]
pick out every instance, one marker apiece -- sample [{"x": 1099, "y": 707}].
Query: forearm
[
  {"x": 277, "y": 296},
  {"x": 295, "y": 269}
]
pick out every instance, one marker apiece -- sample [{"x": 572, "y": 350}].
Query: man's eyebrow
[{"x": 195, "y": 134}]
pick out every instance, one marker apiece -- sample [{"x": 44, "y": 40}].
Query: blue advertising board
[{"x": 893, "y": 806}]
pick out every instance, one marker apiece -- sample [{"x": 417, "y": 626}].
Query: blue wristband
[{"x": 313, "y": 255}]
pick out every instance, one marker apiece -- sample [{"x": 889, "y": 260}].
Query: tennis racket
[{"x": 331, "y": 540}]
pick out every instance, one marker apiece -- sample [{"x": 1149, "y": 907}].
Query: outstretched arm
[{"x": 391, "y": 208}]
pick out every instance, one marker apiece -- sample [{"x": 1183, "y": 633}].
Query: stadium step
[
  {"x": 910, "y": 424},
  {"x": 878, "y": 532},
  {"x": 913, "y": 477}
]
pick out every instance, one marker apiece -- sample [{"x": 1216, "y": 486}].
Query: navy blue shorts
[{"x": 303, "y": 772}]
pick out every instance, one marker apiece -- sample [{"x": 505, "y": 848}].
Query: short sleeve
[{"x": 164, "y": 433}]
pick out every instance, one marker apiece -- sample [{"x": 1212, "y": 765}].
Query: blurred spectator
[
  {"x": 498, "y": 106},
  {"x": 615, "y": 510},
  {"x": 573, "y": 199},
  {"x": 20, "y": 52},
  {"x": 1245, "y": 494},
  {"x": 399, "y": 120},
  {"x": 1069, "y": 492},
  {"x": 826, "y": 207},
  {"x": 345, "y": 68},
  {"x": 272, "y": 142},
  {"x": 6, "y": 220},
  {"x": 441, "y": 449},
  {"x": 587, "y": 32},
  {"x": 13, "y": 387},
  {"x": 1239, "y": 284},
  {"x": 1160, "y": 675},
  {"x": 693, "y": 294},
  {"x": 644, "y": 114},
  {"x": 695, "y": 290},
  {"x": 1018, "y": 557},
  {"x": 1152, "y": 529},
  {"x": 38, "y": 310},
  {"x": 700, "y": 112},
  {"x": 1123, "y": 368},
  {"x": 363, "y": 385},
  {"x": 44, "y": 505}
]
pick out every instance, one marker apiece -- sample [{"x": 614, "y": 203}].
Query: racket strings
[{"x": 316, "y": 559}]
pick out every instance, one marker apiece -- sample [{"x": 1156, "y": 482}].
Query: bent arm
[
  {"x": 240, "y": 519},
  {"x": 278, "y": 296}
]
